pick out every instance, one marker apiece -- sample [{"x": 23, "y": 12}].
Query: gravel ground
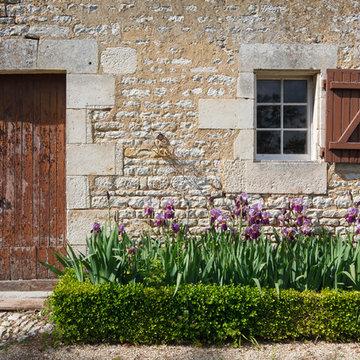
[
  {"x": 25, "y": 336},
  {"x": 287, "y": 351}
]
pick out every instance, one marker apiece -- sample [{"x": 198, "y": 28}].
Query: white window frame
[{"x": 285, "y": 75}]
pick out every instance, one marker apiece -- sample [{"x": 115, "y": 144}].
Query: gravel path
[{"x": 23, "y": 335}]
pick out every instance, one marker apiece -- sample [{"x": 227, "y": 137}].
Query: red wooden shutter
[{"x": 342, "y": 116}]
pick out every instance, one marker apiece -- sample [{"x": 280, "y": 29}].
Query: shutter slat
[{"x": 344, "y": 85}]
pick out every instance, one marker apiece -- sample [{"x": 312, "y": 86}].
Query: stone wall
[{"x": 137, "y": 69}]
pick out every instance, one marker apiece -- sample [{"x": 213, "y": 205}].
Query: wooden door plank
[
  {"x": 28, "y": 262},
  {"x": 17, "y": 160},
  {"x": 36, "y": 161},
  {"x": 52, "y": 121},
  {"x": 9, "y": 158},
  {"x": 4, "y": 263},
  {"x": 16, "y": 262},
  {"x": 44, "y": 212},
  {"x": 2, "y": 175},
  {"x": 27, "y": 163}
]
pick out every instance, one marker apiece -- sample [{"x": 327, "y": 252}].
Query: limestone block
[
  {"x": 90, "y": 90},
  {"x": 119, "y": 159},
  {"x": 49, "y": 30},
  {"x": 233, "y": 176},
  {"x": 76, "y": 126},
  {"x": 77, "y": 192},
  {"x": 75, "y": 56},
  {"x": 91, "y": 159},
  {"x": 244, "y": 145},
  {"x": 226, "y": 114},
  {"x": 287, "y": 56},
  {"x": 119, "y": 60},
  {"x": 19, "y": 54},
  {"x": 246, "y": 85},
  {"x": 80, "y": 223},
  {"x": 275, "y": 177},
  {"x": 158, "y": 182}
]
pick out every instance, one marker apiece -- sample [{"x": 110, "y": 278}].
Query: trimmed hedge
[{"x": 200, "y": 313}]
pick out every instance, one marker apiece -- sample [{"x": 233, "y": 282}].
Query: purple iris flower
[
  {"x": 255, "y": 214},
  {"x": 215, "y": 213},
  {"x": 265, "y": 218},
  {"x": 306, "y": 230},
  {"x": 357, "y": 231},
  {"x": 222, "y": 222},
  {"x": 300, "y": 220},
  {"x": 169, "y": 209},
  {"x": 241, "y": 200},
  {"x": 96, "y": 228},
  {"x": 148, "y": 210},
  {"x": 121, "y": 229},
  {"x": 175, "y": 227},
  {"x": 297, "y": 205},
  {"x": 351, "y": 214},
  {"x": 160, "y": 219},
  {"x": 290, "y": 233},
  {"x": 132, "y": 250},
  {"x": 253, "y": 232}
]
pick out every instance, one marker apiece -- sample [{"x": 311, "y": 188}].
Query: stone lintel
[{"x": 74, "y": 56}]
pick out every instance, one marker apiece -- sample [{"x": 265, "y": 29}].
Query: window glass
[
  {"x": 295, "y": 91},
  {"x": 294, "y": 116},
  {"x": 294, "y": 142},
  {"x": 268, "y": 142},
  {"x": 282, "y": 118},
  {"x": 268, "y": 116},
  {"x": 268, "y": 91}
]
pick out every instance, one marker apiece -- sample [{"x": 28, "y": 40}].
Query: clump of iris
[
  {"x": 294, "y": 221},
  {"x": 165, "y": 218}
]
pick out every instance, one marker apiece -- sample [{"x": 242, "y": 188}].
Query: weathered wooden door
[{"x": 32, "y": 173}]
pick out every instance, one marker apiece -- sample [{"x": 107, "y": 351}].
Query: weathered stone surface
[
  {"x": 275, "y": 178},
  {"x": 19, "y": 54},
  {"x": 158, "y": 182},
  {"x": 119, "y": 60},
  {"x": 74, "y": 56},
  {"x": 49, "y": 30},
  {"x": 287, "y": 56},
  {"x": 226, "y": 114},
  {"x": 246, "y": 85},
  {"x": 119, "y": 159},
  {"x": 90, "y": 90},
  {"x": 80, "y": 223},
  {"x": 76, "y": 126},
  {"x": 77, "y": 192},
  {"x": 244, "y": 145},
  {"x": 127, "y": 183},
  {"x": 90, "y": 159}
]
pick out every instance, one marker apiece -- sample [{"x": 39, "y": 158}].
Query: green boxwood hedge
[{"x": 200, "y": 313}]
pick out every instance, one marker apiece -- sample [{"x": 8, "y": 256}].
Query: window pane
[
  {"x": 268, "y": 91},
  {"x": 294, "y": 142},
  {"x": 268, "y": 142},
  {"x": 294, "y": 116},
  {"x": 295, "y": 91},
  {"x": 268, "y": 116}
]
